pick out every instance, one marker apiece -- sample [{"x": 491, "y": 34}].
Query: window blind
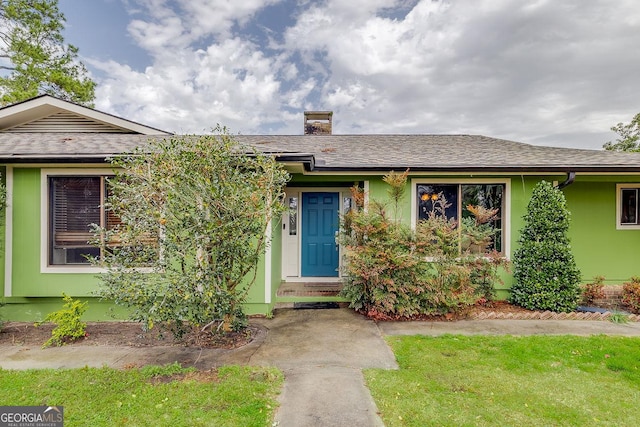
[{"x": 75, "y": 206}]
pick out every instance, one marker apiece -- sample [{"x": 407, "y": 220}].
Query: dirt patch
[
  {"x": 129, "y": 334},
  {"x": 204, "y": 376}
]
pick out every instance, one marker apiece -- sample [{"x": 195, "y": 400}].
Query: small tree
[
  {"x": 194, "y": 214},
  {"x": 545, "y": 272},
  {"x": 629, "y": 139}
]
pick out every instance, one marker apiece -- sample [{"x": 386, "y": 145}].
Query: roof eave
[
  {"x": 493, "y": 169},
  {"x": 58, "y": 159}
]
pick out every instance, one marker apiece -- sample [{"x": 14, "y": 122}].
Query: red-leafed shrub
[
  {"x": 631, "y": 294},
  {"x": 594, "y": 290}
]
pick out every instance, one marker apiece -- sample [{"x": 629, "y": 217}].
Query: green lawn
[
  {"x": 516, "y": 381},
  {"x": 151, "y": 396}
]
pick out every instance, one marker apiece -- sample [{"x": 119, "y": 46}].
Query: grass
[
  {"x": 151, "y": 396},
  {"x": 619, "y": 318},
  {"x": 510, "y": 381}
]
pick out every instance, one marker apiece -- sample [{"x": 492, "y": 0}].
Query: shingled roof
[
  {"x": 439, "y": 152},
  {"x": 343, "y": 152}
]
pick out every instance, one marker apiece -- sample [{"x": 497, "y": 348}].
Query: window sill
[
  {"x": 74, "y": 269},
  {"x": 82, "y": 269},
  {"x": 627, "y": 227}
]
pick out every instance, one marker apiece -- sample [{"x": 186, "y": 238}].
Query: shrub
[
  {"x": 484, "y": 273},
  {"x": 383, "y": 274},
  {"x": 69, "y": 327},
  {"x": 631, "y": 294},
  {"x": 594, "y": 290},
  {"x": 392, "y": 271},
  {"x": 194, "y": 212},
  {"x": 545, "y": 272}
]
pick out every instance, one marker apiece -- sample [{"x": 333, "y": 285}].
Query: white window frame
[
  {"x": 45, "y": 174},
  {"x": 506, "y": 220},
  {"x": 619, "y": 188}
]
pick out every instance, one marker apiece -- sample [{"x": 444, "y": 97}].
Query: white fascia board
[{"x": 44, "y": 106}]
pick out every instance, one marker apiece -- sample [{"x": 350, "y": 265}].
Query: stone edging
[{"x": 547, "y": 315}]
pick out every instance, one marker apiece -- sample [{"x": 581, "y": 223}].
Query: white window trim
[
  {"x": 8, "y": 233},
  {"x": 506, "y": 226},
  {"x": 44, "y": 219},
  {"x": 619, "y": 225}
]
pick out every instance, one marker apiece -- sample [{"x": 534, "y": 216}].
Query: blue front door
[{"x": 319, "y": 226}]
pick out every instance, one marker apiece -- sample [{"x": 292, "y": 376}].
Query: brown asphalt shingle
[{"x": 346, "y": 152}]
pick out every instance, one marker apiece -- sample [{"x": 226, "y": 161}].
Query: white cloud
[
  {"x": 535, "y": 71},
  {"x": 508, "y": 67},
  {"x": 194, "y": 91}
]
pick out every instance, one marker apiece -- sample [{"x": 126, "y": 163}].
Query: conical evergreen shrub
[{"x": 545, "y": 272}]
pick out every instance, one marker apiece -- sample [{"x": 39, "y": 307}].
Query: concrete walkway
[{"x": 321, "y": 352}]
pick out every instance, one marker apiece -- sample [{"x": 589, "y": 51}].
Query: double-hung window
[
  {"x": 628, "y": 209},
  {"x": 429, "y": 197},
  {"x": 75, "y": 204}
]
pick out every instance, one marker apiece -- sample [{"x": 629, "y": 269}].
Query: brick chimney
[{"x": 317, "y": 122}]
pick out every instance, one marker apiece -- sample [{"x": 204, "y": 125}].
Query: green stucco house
[{"x": 53, "y": 157}]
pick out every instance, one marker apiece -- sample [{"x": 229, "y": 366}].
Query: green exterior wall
[
  {"x": 34, "y": 293},
  {"x": 256, "y": 304},
  {"x": 599, "y": 248},
  {"x": 27, "y": 279},
  {"x": 276, "y": 260},
  {"x": 3, "y": 223}
]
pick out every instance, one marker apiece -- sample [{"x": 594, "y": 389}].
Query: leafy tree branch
[
  {"x": 35, "y": 55},
  {"x": 629, "y": 139}
]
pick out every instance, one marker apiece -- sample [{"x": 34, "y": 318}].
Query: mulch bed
[
  {"x": 131, "y": 333},
  {"x": 502, "y": 310},
  {"x": 124, "y": 333}
]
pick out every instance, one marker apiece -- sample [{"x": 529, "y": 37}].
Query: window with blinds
[{"x": 76, "y": 202}]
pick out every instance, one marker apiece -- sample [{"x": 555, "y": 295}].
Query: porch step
[
  {"x": 315, "y": 305},
  {"x": 314, "y": 289},
  {"x": 309, "y": 292}
]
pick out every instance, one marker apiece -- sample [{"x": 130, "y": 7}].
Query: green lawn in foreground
[
  {"x": 505, "y": 380},
  {"x": 151, "y": 396}
]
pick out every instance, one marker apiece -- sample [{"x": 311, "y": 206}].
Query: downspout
[{"x": 571, "y": 176}]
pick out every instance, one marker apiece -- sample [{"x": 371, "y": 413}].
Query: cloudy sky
[{"x": 543, "y": 72}]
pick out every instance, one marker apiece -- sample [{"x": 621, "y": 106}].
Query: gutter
[
  {"x": 571, "y": 176},
  {"x": 307, "y": 160},
  {"x": 319, "y": 167}
]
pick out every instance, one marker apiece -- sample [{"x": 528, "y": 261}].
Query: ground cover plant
[
  {"x": 69, "y": 325},
  {"x": 509, "y": 381},
  {"x": 153, "y": 395}
]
